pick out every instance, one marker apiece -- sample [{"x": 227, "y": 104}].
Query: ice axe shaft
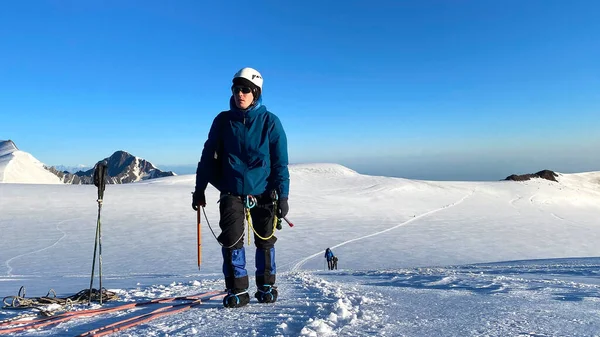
[{"x": 199, "y": 237}]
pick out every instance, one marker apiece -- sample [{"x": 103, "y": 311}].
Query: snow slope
[
  {"x": 21, "y": 167},
  {"x": 417, "y": 258}
]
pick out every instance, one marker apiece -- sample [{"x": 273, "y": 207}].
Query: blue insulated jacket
[
  {"x": 328, "y": 254},
  {"x": 245, "y": 153}
]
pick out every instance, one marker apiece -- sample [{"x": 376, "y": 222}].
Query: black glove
[
  {"x": 198, "y": 199},
  {"x": 282, "y": 208}
]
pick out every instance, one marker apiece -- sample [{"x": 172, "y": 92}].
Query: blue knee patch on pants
[{"x": 234, "y": 263}]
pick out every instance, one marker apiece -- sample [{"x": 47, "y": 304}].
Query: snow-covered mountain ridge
[
  {"x": 17, "y": 166},
  {"x": 21, "y": 167}
]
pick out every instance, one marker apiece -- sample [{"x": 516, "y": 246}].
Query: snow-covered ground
[{"x": 416, "y": 258}]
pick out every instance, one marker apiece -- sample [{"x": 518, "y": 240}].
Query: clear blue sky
[{"x": 420, "y": 89}]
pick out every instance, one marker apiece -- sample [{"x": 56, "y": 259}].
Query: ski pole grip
[{"x": 100, "y": 178}]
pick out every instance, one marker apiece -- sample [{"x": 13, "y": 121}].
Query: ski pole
[
  {"x": 100, "y": 260},
  {"x": 95, "y": 248},
  {"x": 199, "y": 238},
  {"x": 100, "y": 182}
]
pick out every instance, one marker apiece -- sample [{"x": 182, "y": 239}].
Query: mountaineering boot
[
  {"x": 266, "y": 294},
  {"x": 236, "y": 298}
]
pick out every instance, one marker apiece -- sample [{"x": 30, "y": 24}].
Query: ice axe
[
  {"x": 286, "y": 220},
  {"x": 199, "y": 237}
]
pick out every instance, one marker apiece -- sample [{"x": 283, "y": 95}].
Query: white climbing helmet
[{"x": 251, "y": 75}]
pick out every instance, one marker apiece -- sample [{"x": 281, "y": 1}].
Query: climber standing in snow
[
  {"x": 246, "y": 158},
  {"x": 329, "y": 256}
]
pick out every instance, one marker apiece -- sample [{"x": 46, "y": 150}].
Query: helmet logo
[{"x": 255, "y": 76}]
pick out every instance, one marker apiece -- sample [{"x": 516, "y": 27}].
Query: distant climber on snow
[{"x": 329, "y": 256}]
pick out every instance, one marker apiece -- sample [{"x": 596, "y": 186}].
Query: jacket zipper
[{"x": 245, "y": 157}]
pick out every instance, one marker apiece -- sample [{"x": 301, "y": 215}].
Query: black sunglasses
[{"x": 244, "y": 90}]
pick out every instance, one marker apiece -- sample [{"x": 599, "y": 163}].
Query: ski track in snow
[
  {"x": 532, "y": 198},
  {"x": 539, "y": 208},
  {"x": 513, "y": 201},
  {"x": 567, "y": 221},
  {"x": 299, "y": 264},
  {"x": 64, "y": 235}
]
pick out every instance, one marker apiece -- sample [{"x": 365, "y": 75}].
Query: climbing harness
[{"x": 250, "y": 202}]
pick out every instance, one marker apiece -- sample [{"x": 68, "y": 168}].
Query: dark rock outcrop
[
  {"x": 544, "y": 174},
  {"x": 122, "y": 168},
  {"x": 71, "y": 178}
]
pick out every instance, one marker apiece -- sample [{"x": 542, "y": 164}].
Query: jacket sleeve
[
  {"x": 206, "y": 167},
  {"x": 279, "y": 179}
]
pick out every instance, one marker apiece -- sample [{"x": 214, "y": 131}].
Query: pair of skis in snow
[{"x": 189, "y": 302}]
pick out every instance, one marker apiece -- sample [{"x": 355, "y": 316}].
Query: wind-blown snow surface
[
  {"x": 416, "y": 258},
  {"x": 21, "y": 167}
]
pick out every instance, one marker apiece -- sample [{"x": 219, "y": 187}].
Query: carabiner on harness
[{"x": 250, "y": 201}]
